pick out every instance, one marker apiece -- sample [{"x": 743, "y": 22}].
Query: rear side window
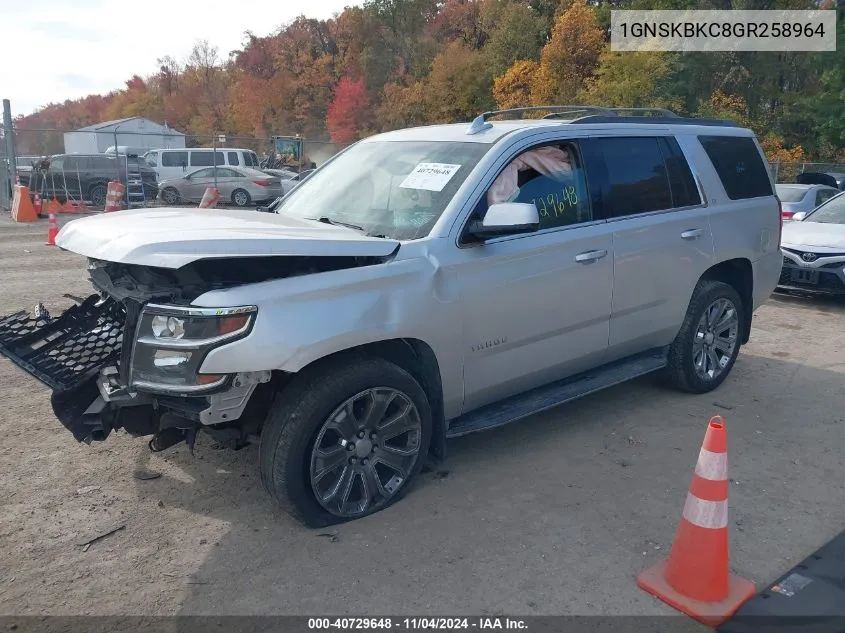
[
  {"x": 251, "y": 159},
  {"x": 233, "y": 158},
  {"x": 681, "y": 182},
  {"x": 205, "y": 159},
  {"x": 739, "y": 165},
  {"x": 174, "y": 159},
  {"x": 635, "y": 176}
]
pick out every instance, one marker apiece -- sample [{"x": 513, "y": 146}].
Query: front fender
[{"x": 303, "y": 319}]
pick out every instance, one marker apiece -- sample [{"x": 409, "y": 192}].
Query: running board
[{"x": 552, "y": 395}]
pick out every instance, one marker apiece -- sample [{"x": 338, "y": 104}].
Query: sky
[{"x": 65, "y": 49}]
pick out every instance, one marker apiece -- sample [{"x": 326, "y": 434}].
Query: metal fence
[{"x": 789, "y": 172}]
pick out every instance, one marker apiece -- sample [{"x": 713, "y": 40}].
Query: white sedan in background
[
  {"x": 797, "y": 198},
  {"x": 813, "y": 247},
  {"x": 241, "y": 186}
]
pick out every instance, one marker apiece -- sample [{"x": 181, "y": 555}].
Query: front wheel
[
  {"x": 170, "y": 195},
  {"x": 704, "y": 351},
  {"x": 345, "y": 442}
]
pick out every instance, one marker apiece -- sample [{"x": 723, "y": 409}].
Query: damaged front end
[
  {"x": 85, "y": 357},
  {"x": 130, "y": 356}
]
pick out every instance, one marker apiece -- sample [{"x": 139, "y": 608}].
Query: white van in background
[{"x": 173, "y": 163}]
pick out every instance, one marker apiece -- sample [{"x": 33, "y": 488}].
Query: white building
[{"x": 134, "y": 132}]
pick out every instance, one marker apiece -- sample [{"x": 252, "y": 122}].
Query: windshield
[
  {"x": 791, "y": 194},
  {"x": 830, "y": 212},
  {"x": 395, "y": 189}
]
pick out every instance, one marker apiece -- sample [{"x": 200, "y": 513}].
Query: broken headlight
[{"x": 171, "y": 343}]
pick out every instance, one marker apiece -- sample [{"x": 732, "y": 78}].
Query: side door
[
  {"x": 197, "y": 182},
  {"x": 535, "y": 307},
  {"x": 662, "y": 239}
]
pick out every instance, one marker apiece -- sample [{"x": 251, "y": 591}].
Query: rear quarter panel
[{"x": 742, "y": 229}]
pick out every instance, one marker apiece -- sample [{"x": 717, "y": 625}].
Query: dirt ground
[{"x": 554, "y": 515}]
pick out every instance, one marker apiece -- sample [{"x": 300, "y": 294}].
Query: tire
[
  {"x": 97, "y": 194},
  {"x": 301, "y": 423},
  {"x": 695, "y": 341},
  {"x": 169, "y": 195},
  {"x": 241, "y": 198}
]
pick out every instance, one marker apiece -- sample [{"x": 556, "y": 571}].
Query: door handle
[
  {"x": 589, "y": 256},
  {"x": 692, "y": 234}
]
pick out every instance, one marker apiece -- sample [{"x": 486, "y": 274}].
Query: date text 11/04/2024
[{"x": 412, "y": 624}]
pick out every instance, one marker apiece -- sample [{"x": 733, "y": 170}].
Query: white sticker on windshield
[{"x": 430, "y": 176}]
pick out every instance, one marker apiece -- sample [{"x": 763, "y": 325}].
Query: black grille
[{"x": 65, "y": 352}]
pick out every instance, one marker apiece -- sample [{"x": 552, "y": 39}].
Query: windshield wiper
[{"x": 327, "y": 220}]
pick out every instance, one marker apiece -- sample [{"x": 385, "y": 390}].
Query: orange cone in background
[
  {"x": 52, "y": 229},
  {"x": 37, "y": 204},
  {"x": 68, "y": 207},
  {"x": 22, "y": 209},
  {"x": 54, "y": 206},
  {"x": 694, "y": 578}
]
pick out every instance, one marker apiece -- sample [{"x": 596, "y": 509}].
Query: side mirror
[
  {"x": 797, "y": 217},
  {"x": 506, "y": 218}
]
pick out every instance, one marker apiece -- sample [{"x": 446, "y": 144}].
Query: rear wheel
[
  {"x": 345, "y": 442},
  {"x": 98, "y": 195},
  {"x": 704, "y": 351},
  {"x": 241, "y": 198}
]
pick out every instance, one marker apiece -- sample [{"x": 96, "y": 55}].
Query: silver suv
[{"x": 422, "y": 284}]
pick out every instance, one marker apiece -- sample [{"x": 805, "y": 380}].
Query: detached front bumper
[
  {"x": 821, "y": 273},
  {"x": 80, "y": 356}
]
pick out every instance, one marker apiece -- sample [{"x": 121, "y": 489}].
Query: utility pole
[{"x": 10, "y": 147}]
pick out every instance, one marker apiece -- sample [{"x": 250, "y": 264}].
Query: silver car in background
[
  {"x": 813, "y": 247},
  {"x": 241, "y": 186},
  {"x": 798, "y": 198}
]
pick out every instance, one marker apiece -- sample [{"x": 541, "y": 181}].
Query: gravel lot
[{"x": 554, "y": 515}]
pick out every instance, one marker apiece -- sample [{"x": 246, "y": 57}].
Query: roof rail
[
  {"x": 479, "y": 124},
  {"x": 598, "y": 114},
  {"x": 655, "y": 120}
]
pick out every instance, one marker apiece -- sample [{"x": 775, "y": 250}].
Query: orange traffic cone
[
  {"x": 68, "y": 207},
  {"x": 694, "y": 578},
  {"x": 37, "y": 204},
  {"x": 52, "y": 230},
  {"x": 54, "y": 206}
]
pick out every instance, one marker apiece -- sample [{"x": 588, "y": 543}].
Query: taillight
[
  {"x": 780, "y": 224},
  {"x": 262, "y": 183}
]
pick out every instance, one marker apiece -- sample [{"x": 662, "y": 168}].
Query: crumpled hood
[
  {"x": 172, "y": 237},
  {"x": 821, "y": 237}
]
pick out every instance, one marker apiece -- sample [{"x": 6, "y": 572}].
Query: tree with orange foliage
[
  {"x": 570, "y": 58},
  {"x": 349, "y": 115},
  {"x": 513, "y": 89}
]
